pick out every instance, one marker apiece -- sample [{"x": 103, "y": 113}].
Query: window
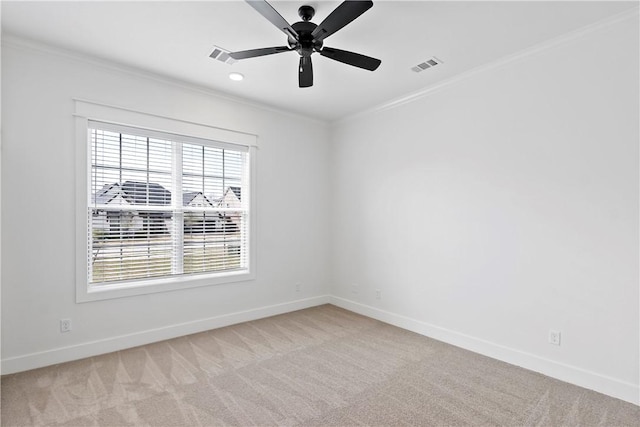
[{"x": 162, "y": 211}]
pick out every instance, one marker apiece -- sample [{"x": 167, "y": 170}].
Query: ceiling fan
[{"x": 305, "y": 37}]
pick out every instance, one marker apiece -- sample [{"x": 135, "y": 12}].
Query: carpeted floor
[{"x": 320, "y": 366}]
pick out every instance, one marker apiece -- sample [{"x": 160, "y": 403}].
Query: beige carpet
[{"x": 320, "y": 366}]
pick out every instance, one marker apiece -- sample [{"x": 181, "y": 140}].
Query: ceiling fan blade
[
  {"x": 341, "y": 16},
  {"x": 351, "y": 58},
  {"x": 252, "y": 53},
  {"x": 305, "y": 72},
  {"x": 266, "y": 10}
]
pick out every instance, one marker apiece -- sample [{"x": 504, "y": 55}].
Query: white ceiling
[{"x": 175, "y": 39}]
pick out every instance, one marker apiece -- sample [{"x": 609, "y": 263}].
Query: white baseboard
[
  {"x": 94, "y": 348},
  {"x": 571, "y": 374}
]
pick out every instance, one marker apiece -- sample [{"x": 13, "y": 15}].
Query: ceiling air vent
[
  {"x": 222, "y": 55},
  {"x": 429, "y": 63}
]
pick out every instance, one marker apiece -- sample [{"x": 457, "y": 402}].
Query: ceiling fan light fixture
[{"x": 236, "y": 77}]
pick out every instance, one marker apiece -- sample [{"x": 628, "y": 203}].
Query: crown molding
[
  {"x": 555, "y": 42},
  {"x": 10, "y": 40}
]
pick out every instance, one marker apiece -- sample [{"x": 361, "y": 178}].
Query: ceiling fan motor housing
[{"x": 306, "y": 43}]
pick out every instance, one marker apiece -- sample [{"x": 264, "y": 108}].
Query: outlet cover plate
[{"x": 65, "y": 325}]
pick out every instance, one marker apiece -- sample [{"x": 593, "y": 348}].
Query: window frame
[{"x": 86, "y": 111}]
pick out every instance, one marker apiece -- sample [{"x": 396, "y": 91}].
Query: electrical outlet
[
  {"x": 554, "y": 337},
  {"x": 298, "y": 286},
  {"x": 378, "y": 294},
  {"x": 354, "y": 288},
  {"x": 65, "y": 325}
]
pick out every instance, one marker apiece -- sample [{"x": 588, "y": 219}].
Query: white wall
[
  {"x": 504, "y": 205},
  {"x": 38, "y": 223}
]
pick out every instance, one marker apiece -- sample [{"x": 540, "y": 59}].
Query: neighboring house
[
  {"x": 231, "y": 198},
  {"x": 110, "y": 223},
  {"x": 126, "y": 222},
  {"x": 196, "y": 199},
  {"x": 131, "y": 223},
  {"x": 198, "y": 222},
  {"x": 204, "y": 222}
]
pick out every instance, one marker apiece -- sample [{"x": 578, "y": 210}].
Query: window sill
[{"x": 150, "y": 286}]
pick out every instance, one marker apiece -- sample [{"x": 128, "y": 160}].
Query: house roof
[
  {"x": 189, "y": 196},
  {"x": 138, "y": 193},
  {"x": 142, "y": 193},
  {"x": 107, "y": 193},
  {"x": 236, "y": 191},
  {"x": 135, "y": 193}
]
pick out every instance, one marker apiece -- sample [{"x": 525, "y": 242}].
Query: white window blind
[{"x": 163, "y": 205}]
